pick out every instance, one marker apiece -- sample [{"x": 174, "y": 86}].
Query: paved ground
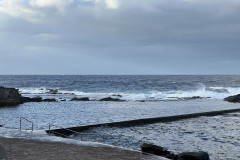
[{"x": 19, "y": 149}]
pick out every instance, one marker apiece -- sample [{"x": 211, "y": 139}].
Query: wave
[{"x": 202, "y": 91}]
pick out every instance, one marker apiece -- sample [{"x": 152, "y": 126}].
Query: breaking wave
[{"x": 202, "y": 91}]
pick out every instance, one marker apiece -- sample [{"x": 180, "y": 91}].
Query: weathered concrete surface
[
  {"x": 23, "y": 149},
  {"x": 3, "y": 155}
]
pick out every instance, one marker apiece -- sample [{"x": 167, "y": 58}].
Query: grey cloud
[{"x": 154, "y": 36}]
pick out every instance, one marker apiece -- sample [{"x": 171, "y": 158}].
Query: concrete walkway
[
  {"x": 19, "y": 149},
  {"x": 2, "y": 153}
]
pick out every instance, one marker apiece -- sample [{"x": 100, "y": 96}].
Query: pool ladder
[{"x": 23, "y": 118}]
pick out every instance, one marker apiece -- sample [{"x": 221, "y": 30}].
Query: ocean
[
  {"x": 143, "y": 96},
  {"x": 130, "y": 88}
]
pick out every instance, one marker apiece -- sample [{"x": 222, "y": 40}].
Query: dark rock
[
  {"x": 1, "y": 125},
  {"x": 10, "y": 97},
  {"x": 192, "y": 98},
  {"x": 10, "y": 102},
  {"x": 49, "y": 100},
  {"x": 69, "y": 93},
  {"x": 234, "y": 99},
  {"x": 117, "y": 95},
  {"x": 9, "y": 93},
  {"x": 156, "y": 150},
  {"x": 193, "y": 156},
  {"x": 53, "y": 91},
  {"x": 34, "y": 99},
  {"x": 111, "y": 99},
  {"x": 80, "y": 99}
]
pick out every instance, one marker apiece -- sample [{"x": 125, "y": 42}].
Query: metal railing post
[
  {"x": 49, "y": 129},
  {"x": 20, "y": 123}
]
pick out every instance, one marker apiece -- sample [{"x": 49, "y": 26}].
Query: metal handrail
[
  {"x": 75, "y": 132},
  {"x": 25, "y": 120}
]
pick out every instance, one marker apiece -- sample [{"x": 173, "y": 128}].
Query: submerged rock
[
  {"x": 234, "y": 99},
  {"x": 49, "y": 100},
  {"x": 80, "y": 99},
  {"x": 111, "y": 99},
  {"x": 192, "y": 98},
  {"x": 117, "y": 95},
  {"x": 34, "y": 99},
  {"x": 53, "y": 91}
]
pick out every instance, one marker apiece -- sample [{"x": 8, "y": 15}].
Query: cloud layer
[{"x": 107, "y": 36}]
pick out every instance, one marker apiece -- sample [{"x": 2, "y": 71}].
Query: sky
[{"x": 94, "y": 37}]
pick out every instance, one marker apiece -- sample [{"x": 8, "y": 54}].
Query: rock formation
[
  {"x": 10, "y": 97},
  {"x": 161, "y": 151},
  {"x": 80, "y": 99},
  {"x": 111, "y": 99},
  {"x": 234, "y": 99},
  {"x": 53, "y": 91},
  {"x": 157, "y": 150}
]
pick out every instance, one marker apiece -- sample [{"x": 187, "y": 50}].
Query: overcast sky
[{"x": 119, "y": 36}]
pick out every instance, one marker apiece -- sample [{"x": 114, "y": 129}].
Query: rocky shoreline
[{"x": 12, "y": 97}]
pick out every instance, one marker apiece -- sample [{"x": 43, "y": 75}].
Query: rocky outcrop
[
  {"x": 157, "y": 150},
  {"x": 80, "y": 99},
  {"x": 234, "y": 99},
  {"x": 10, "y": 97},
  {"x": 111, "y": 99},
  {"x": 193, "y": 156},
  {"x": 163, "y": 152}
]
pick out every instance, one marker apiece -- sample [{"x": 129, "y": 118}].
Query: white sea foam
[
  {"x": 41, "y": 90},
  {"x": 202, "y": 91}
]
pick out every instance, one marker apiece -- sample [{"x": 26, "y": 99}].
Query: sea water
[{"x": 143, "y": 97}]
